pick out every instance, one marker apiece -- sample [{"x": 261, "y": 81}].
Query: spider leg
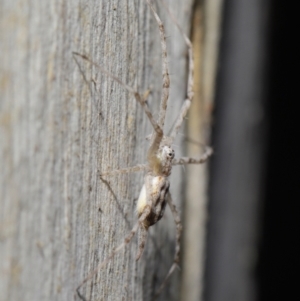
[
  {"x": 127, "y": 240},
  {"x": 186, "y": 160},
  {"x": 144, "y": 230},
  {"x": 157, "y": 128},
  {"x": 158, "y": 136},
  {"x": 190, "y": 94},
  {"x": 103, "y": 263},
  {"x": 142, "y": 239},
  {"x": 140, "y": 167},
  {"x": 82, "y": 73},
  {"x": 165, "y": 72},
  {"x": 177, "y": 248}
]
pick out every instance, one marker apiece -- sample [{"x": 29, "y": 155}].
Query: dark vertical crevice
[
  {"x": 278, "y": 246},
  {"x": 239, "y": 141}
]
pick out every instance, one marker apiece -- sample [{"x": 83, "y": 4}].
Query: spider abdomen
[{"x": 153, "y": 195}]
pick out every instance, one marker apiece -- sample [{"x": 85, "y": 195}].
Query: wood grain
[{"x": 61, "y": 125}]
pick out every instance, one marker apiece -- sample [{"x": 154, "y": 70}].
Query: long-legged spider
[{"x": 155, "y": 192}]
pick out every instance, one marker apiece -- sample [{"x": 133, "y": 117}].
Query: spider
[{"x": 155, "y": 193}]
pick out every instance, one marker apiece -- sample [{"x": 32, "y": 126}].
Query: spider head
[
  {"x": 160, "y": 160},
  {"x": 165, "y": 156},
  {"x": 166, "y": 153}
]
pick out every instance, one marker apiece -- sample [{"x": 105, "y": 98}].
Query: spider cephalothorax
[
  {"x": 161, "y": 162},
  {"x": 166, "y": 155}
]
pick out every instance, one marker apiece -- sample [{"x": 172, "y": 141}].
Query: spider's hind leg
[
  {"x": 142, "y": 241},
  {"x": 178, "y": 224},
  {"x": 127, "y": 240}
]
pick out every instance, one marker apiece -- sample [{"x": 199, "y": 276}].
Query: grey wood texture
[{"x": 61, "y": 125}]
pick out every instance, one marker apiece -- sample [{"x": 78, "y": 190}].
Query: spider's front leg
[
  {"x": 203, "y": 158},
  {"x": 140, "y": 167}
]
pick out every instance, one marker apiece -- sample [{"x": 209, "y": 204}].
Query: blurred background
[{"x": 252, "y": 240}]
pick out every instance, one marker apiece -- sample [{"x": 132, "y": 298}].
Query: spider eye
[{"x": 171, "y": 154}]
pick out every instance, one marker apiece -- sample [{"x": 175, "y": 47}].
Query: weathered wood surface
[{"x": 61, "y": 126}]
